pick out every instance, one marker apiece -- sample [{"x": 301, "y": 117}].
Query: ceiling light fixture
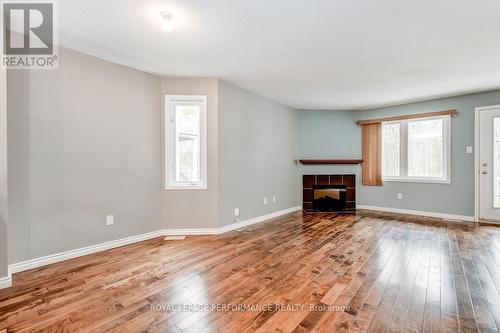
[{"x": 168, "y": 20}]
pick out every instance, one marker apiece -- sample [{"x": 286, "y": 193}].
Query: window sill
[
  {"x": 414, "y": 180},
  {"x": 184, "y": 188}
]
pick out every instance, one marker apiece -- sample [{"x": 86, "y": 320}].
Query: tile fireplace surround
[{"x": 309, "y": 181}]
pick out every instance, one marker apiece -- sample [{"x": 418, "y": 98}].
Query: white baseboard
[
  {"x": 463, "y": 218},
  {"x": 230, "y": 227},
  {"x": 259, "y": 219},
  {"x": 53, "y": 258},
  {"x": 6, "y": 281},
  {"x": 191, "y": 232}
]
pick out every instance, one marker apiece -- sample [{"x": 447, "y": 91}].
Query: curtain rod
[{"x": 452, "y": 113}]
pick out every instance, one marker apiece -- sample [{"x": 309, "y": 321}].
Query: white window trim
[
  {"x": 170, "y": 101},
  {"x": 403, "y": 130}
]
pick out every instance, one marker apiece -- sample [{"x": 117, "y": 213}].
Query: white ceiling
[{"x": 309, "y": 54}]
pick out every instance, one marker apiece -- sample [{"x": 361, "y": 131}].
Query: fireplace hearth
[{"x": 329, "y": 193}]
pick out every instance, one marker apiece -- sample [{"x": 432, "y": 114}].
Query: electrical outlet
[
  {"x": 274, "y": 199},
  {"x": 400, "y": 196},
  {"x": 468, "y": 150},
  {"x": 110, "y": 220},
  {"x": 236, "y": 212},
  {"x": 265, "y": 201}
]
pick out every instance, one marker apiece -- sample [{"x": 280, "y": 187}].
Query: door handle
[{"x": 484, "y": 170}]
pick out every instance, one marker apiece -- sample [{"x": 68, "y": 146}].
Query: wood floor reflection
[{"x": 336, "y": 273}]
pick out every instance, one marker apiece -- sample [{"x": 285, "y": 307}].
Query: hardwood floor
[{"x": 324, "y": 272}]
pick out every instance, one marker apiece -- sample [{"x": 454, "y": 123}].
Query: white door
[{"x": 489, "y": 163}]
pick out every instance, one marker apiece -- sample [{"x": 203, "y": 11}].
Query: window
[
  {"x": 416, "y": 150},
  {"x": 390, "y": 150},
  {"x": 185, "y": 142}
]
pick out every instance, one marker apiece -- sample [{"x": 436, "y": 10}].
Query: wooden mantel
[{"x": 327, "y": 161}]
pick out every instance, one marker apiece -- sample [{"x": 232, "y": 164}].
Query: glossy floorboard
[{"x": 383, "y": 275}]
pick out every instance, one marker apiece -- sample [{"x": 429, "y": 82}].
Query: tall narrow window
[
  {"x": 390, "y": 149},
  {"x": 185, "y": 142},
  {"x": 416, "y": 150}
]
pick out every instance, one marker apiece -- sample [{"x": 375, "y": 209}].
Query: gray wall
[
  {"x": 257, "y": 152},
  {"x": 3, "y": 174},
  {"x": 329, "y": 134},
  {"x": 341, "y": 138},
  {"x": 194, "y": 208},
  {"x": 84, "y": 142}
]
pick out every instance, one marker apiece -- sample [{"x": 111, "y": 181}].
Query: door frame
[{"x": 476, "y": 156}]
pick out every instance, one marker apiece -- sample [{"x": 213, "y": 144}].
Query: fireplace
[
  {"x": 329, "y": 198},
  {"x": 329, "y": 193}
]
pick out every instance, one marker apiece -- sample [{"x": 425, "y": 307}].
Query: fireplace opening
[{"x": 329, "y": 198}]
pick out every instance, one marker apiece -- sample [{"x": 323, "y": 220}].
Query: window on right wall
[{"x": 416, "y": 150}]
